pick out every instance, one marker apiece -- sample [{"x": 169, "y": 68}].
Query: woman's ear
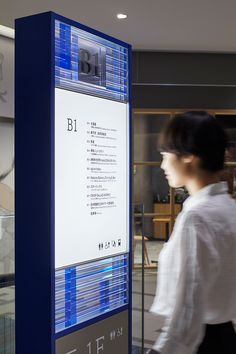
[
  {"x": 188, "y": 158},
  {"x": 192, "y": 160}
]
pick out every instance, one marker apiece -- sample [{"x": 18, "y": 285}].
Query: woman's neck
[{"x": 193, "y": 185}]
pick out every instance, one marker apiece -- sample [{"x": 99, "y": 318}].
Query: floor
[
  {"x": 153, "y": 249},
  {"x": 152, "y": 325}
]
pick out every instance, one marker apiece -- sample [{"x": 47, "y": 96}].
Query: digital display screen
[
  {"x": 91, "y": 178},
  {"x": 85, "y": 62},
  {"x": 92, "y": 157}
]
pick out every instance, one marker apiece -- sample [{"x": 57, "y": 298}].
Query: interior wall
[
  {"x": 7, "y": 150},
  {"x": 184, "y": 80},
  {"x": 6, "y": 123}
]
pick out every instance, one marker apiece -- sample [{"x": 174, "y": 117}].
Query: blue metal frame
[
  {"x": 130, "y": 195},
  {"x": 34, "y": 184}
]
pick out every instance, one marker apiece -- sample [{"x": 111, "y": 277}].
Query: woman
[{"x": 196, "y": 288}]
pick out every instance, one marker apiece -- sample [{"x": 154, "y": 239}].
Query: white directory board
[{"x": 91, "y": 178}]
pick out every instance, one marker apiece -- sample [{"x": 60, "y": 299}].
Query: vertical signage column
[{"x": 77, "y": 141}]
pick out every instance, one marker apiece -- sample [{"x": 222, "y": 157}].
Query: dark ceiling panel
[
  {"x": 185, "y": 68},
  {"x": 184, "y": 97}
]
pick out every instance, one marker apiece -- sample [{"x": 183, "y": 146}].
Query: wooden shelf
[
  {"x": 162, "y": 218},
  {"x": 147, "y": 163}
]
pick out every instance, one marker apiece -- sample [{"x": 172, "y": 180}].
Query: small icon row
[{"x": 109, "y": 244}]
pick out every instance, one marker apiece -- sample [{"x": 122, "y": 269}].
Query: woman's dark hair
[{"x": 197, "y": 133}]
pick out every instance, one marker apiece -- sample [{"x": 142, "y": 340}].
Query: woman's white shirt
[{"x": 197, "y": 271}]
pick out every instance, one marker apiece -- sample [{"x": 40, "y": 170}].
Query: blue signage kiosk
[{"x": 73, "y": 189}]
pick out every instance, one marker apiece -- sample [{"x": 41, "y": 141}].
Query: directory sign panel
[{"x": 91, "y": 177}]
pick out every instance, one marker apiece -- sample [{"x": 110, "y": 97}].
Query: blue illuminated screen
[{"x": 89, "y": 64}]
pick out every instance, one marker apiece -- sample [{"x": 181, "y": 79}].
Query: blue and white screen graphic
[
  {"x": 91, "y": 175},
  {"x": 90, "y": 290},
  {"x": 87, "y": 63}
]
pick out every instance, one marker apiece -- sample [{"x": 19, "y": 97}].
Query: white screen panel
[{"x": 91, "y": 178}]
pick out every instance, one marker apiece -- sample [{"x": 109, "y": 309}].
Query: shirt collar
[{"x": 209, "y": 190}]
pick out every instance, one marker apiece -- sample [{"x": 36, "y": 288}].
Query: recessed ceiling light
[{"x": 121, "y": 16}]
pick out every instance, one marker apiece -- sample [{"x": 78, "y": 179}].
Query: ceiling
[{"x": 175, "y": 25}]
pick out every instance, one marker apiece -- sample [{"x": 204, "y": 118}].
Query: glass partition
[
  {"x": 138, "y": 279},
  {"x": 146, "y": 130},
  {"x": 160, "y": 205},
  {"x": 229, "y": 174},
  {"x": 7, "y": 287},
  {"x": 155, "y": 209}
]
